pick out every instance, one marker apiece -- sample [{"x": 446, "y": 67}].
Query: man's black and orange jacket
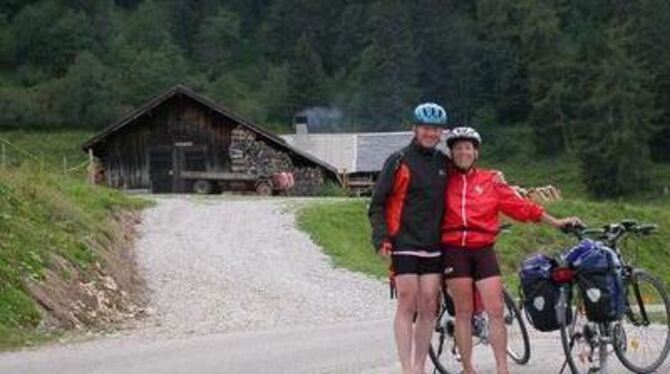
[{"x": 408, "y": 200}]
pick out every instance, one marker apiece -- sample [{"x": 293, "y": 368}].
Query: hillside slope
[{"x": 65, "y": 255}]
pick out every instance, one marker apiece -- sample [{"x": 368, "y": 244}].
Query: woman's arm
[
  {"x": 561, "y": 222},
  {"x": 520, "y": 209},
  {"x": 513, "y": 205}
]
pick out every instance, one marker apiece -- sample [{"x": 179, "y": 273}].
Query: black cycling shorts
[
  {"x": 410, "y": 264},
  {"x": 472, "y": 263}
]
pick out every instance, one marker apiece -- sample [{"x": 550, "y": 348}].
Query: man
[{"x": 406, "y": 214}]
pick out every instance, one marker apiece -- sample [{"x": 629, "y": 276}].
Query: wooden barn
[{"x": 181, "y": 141}]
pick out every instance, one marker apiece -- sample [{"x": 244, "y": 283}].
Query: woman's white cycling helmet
[{"x": 463, "y": 133}]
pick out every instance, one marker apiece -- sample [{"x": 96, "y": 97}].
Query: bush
[{"x": 333, "y": 190}]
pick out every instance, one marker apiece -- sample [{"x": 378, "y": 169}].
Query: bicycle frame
[
  {"x": 611, "y": 236},
  {"x": 612, "y": 240}
]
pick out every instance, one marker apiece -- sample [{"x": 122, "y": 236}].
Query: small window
[{"x": 195, "y": 160}]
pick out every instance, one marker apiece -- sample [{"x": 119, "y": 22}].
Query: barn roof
[
  {"x": 185, "y": 91},
  {"x": 336, "y": 149},
  {"x": 352, "y": 152}
]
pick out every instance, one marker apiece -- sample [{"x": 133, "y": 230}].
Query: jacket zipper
[{"x": 465, "y": 221}]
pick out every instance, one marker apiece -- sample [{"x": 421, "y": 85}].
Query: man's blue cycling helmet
[{"x": 430, "y": 114}]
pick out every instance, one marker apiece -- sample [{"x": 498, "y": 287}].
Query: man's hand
[{"x": 385, "y": 249}]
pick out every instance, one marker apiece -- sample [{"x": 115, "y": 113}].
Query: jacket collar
[{"x": 472, "y": 171}]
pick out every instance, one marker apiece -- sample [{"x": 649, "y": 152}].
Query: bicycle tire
[
  {"x": 524, "y": 357},
  {"x": 620, "y": 349}
]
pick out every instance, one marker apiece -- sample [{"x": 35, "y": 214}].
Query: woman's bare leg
[
  {"x": 461, "y": 291},
  {"x": 491, "y": 290}
]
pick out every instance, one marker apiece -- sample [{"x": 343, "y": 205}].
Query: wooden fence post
[{"x": 91, "y": 167}]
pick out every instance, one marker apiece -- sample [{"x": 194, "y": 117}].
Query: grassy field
[
  {"x": 50, "y": 148},
  {"x": 342, "y": 229}
]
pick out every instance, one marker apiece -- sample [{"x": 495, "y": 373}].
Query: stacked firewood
[
  {"x": 308, "y": 181},
  {"x": 250, "y": 155},
  {"x": 540, "y": 195}
]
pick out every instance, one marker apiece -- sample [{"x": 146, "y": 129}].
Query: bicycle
[
  {"x": 647, "y": 308},
  {"x": 443, "y": 351}
]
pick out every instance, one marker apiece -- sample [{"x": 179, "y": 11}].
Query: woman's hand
[
  {"x": 562, "y": 222},
  {"x": 569, "y": 221}
]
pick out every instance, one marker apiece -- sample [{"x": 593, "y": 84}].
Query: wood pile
[
  {"x": 308, "y": 181},
  {"x": 250, "y": 155},
  {"x": 540, "y": 195}
]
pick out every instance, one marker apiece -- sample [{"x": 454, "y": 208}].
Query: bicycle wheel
[
  {"x": 579, "y": 337},
  {"x": 518, "y": 344},
  {"x": 443, "y": 352},
  {"x": 642, "y": 339}
]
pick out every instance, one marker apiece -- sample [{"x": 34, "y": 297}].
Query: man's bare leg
[
  {"x": 407, "y": 287},
  {"x": 429, "y": 287}
]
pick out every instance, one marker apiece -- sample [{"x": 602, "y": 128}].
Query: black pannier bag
[{"x": 541, "y": 294}]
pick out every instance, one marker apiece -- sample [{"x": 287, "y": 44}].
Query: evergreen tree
[
  {"x": 618, "y": 115},
  {"x": 387, "y": 73},
  {"x": 218, "y": 42},
  {"x": 306, "y": 79},
  {"x": 652, "y": 48},
  {"x": 551, "y": 70},
  {"x": 47, "y": 37},
  {"x": 87, "y": 95},
  {"x": 501, "y": 63}
]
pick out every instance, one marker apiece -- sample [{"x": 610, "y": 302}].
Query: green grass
[
  {"x": 49, "y": 147},
  {"x": 341, "y": 228},
  {"x": 43, "y": 215},
  {"x": 562, "y": 172}
]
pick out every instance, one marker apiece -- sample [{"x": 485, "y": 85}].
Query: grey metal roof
[
  {"x": 352, "y": 152},
  {"x": 363, "y": 152},
  {"x": 338, "y": 150},
  {"x": 373, "y": 149}
]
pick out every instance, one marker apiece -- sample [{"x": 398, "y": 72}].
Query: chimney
[{"x": 300, "y": 123}]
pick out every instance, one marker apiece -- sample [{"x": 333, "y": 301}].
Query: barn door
[
  {"x": 189, "y": 158},
  {"x": 161, "y": 170}
]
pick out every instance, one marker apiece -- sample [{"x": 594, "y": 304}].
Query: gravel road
[{"x": 217, "y": 265}]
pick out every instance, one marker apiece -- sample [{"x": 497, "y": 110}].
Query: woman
[{"x": 474, "y": 199}]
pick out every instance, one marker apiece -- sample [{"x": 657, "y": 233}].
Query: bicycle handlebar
[{"x": 611, "y": 232}]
